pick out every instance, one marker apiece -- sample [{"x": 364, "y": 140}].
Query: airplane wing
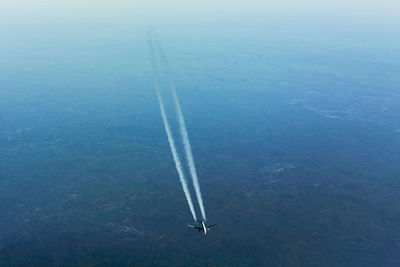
[
  {"x": 212, "y": 225},
  {"x": 196, "y": 227}
]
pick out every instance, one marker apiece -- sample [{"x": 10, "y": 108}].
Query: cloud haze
[{"x": 201, "y": 10}]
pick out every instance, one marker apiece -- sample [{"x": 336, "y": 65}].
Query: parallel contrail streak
[
  {"x": 171, "y": 141},
  {"x": 184, "y": 134}
]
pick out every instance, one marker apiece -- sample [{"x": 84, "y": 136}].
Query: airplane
[{"x": 203, "y": 227}]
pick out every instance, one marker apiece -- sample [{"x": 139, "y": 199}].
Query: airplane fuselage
[{"x": 204, "y": 227}]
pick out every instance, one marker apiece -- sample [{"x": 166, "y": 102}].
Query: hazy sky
[
  {"x": 201, "y": 10},
  {"x": 22, "y": 20}
]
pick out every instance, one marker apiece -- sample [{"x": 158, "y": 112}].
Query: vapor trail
[
  {"x": 171, "y": 141},
  {"x": 183, "y": 131}
]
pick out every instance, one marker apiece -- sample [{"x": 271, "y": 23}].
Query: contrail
[
  {"x": 177, "y": 160},
  {"x": 183, "y": 131}
]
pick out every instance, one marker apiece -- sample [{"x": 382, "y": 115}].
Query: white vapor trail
[
  {"x": 171, "y": 141},
  {"x": 184, "y": 134}
]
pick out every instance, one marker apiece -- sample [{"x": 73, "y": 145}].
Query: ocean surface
[{"x": 294, "y": 127}]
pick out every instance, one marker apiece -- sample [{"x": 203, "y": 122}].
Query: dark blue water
[{"x": 295, "y": 130}]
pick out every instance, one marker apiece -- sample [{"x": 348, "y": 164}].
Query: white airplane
[{"x": 203, "y": 226}]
